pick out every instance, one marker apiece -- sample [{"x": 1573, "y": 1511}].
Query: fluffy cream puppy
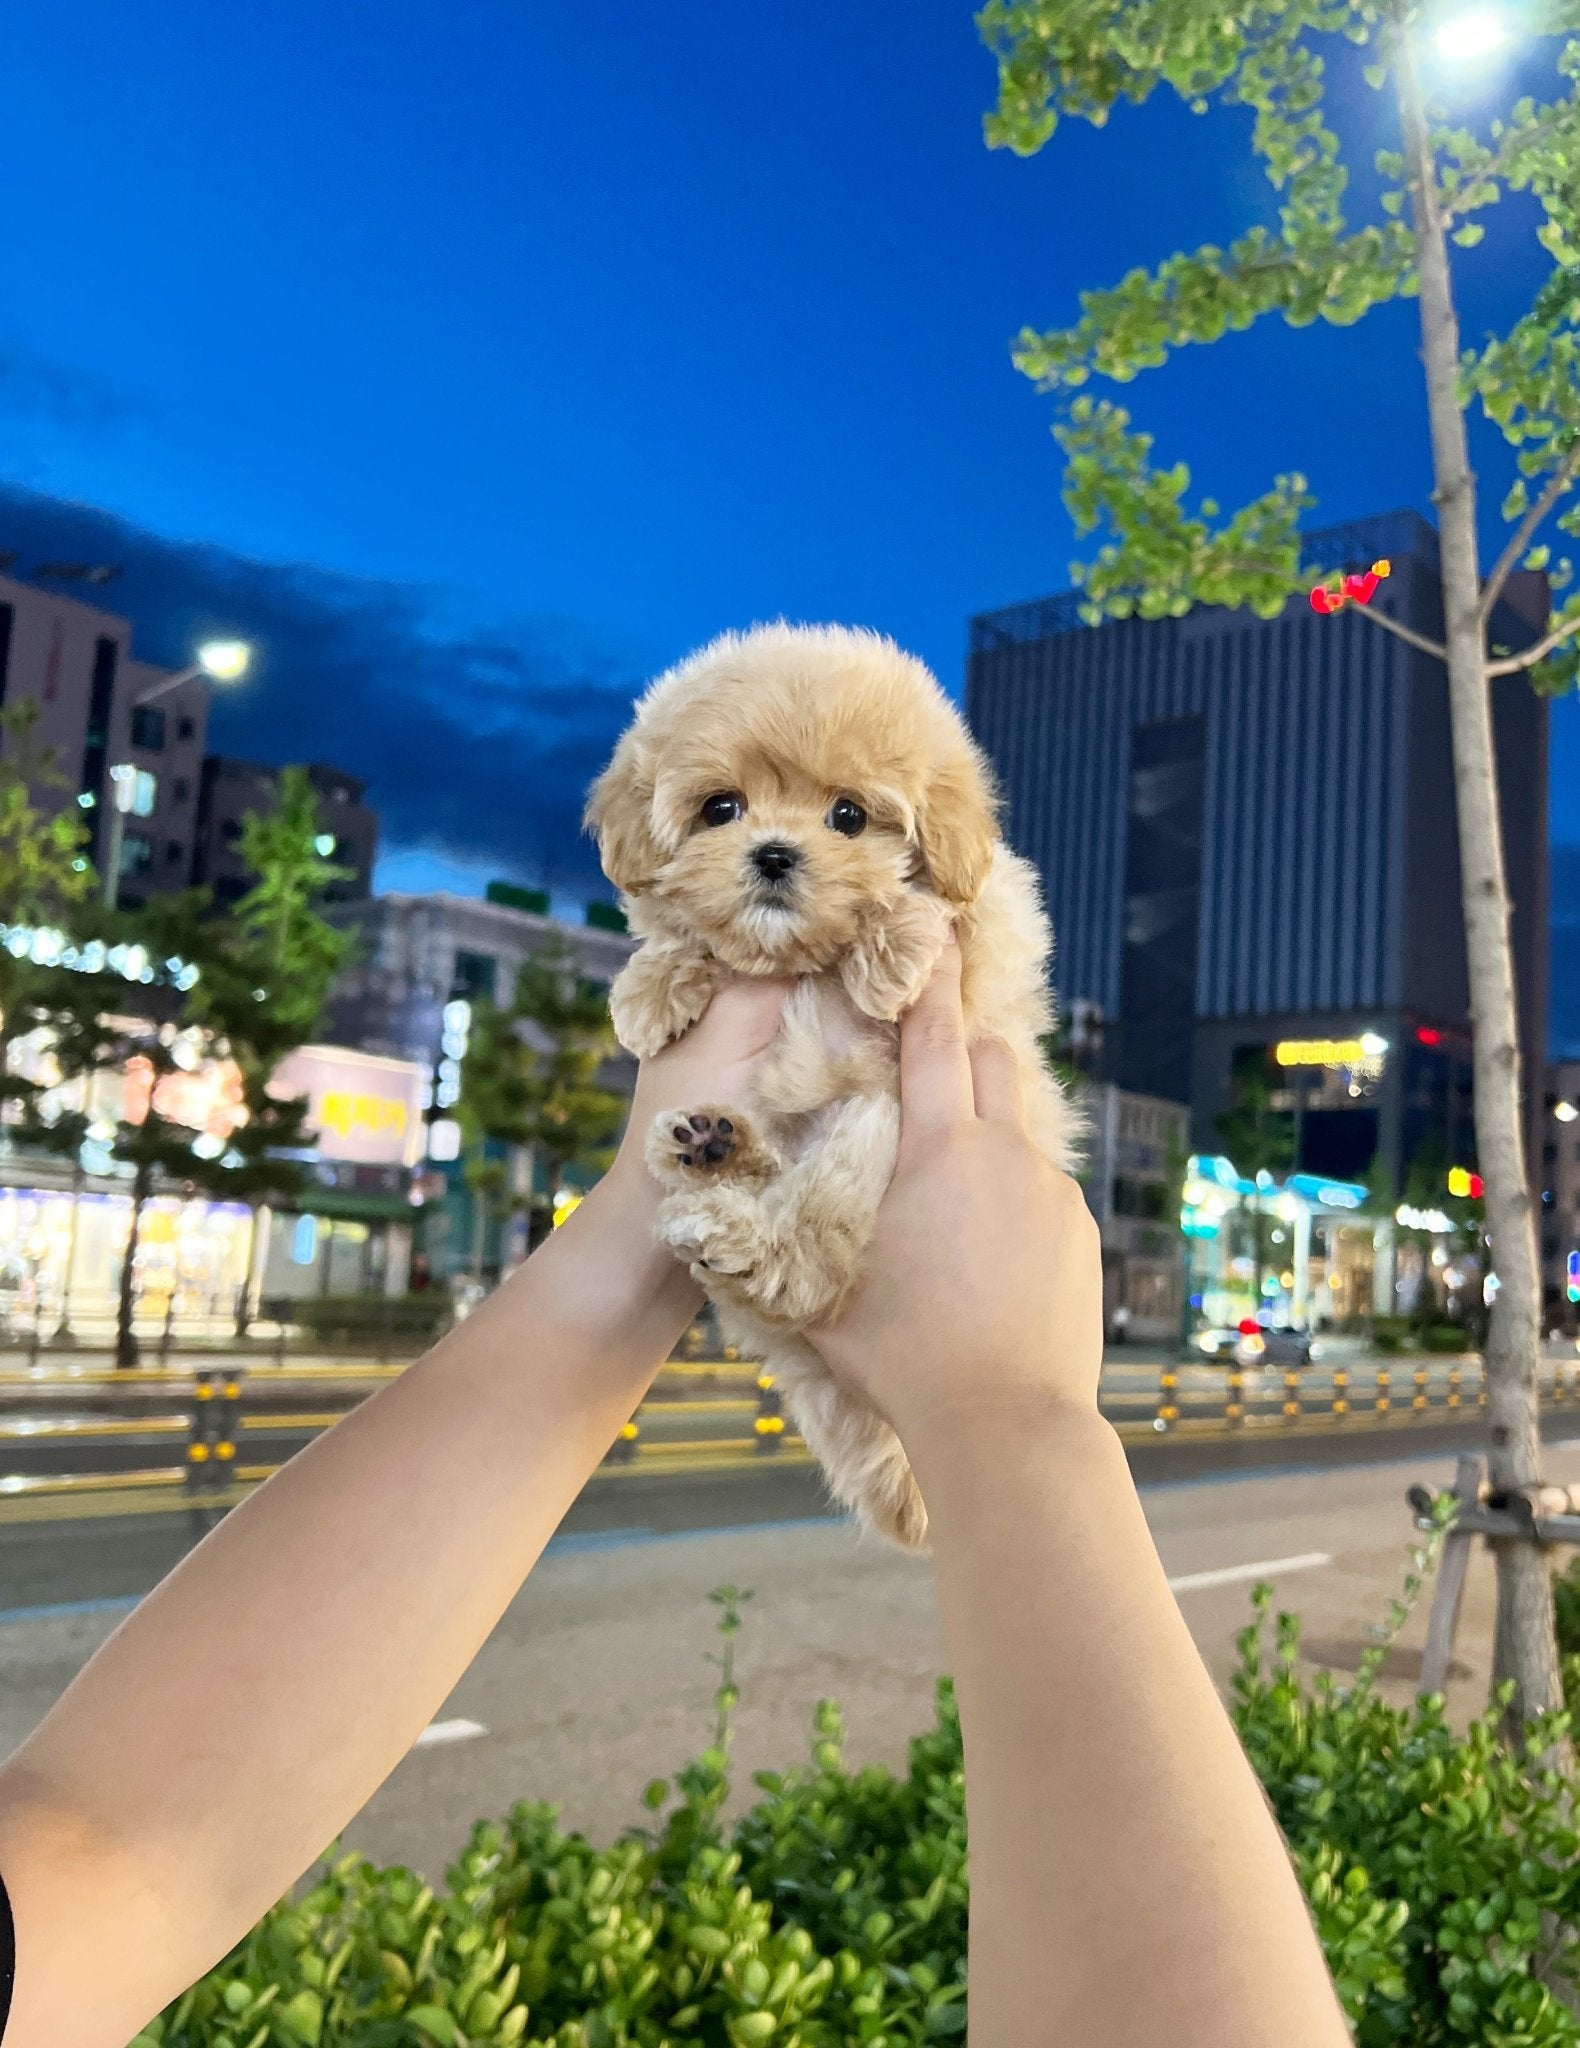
[{"x": 805, "y": 802}]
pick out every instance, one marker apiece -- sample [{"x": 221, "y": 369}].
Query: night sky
[{"x": 479, "y": 359}]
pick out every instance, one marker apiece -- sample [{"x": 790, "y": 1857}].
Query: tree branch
[
  {"x": 1515, "y": 663},
  {"x": 1560, "y": 480},
  {"x": 1403, "y": 632}
]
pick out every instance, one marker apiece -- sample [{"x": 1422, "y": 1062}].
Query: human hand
[
  {"x": 982, "y": 1292},
  {"x": 709, "y": 1063}
]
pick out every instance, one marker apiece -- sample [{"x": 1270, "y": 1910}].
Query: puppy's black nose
[{"x": 774, "y": 860}]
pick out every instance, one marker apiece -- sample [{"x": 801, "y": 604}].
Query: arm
[
  {"x": 250, "y": 1706},
  {"x": 1128, "y": 1882}
]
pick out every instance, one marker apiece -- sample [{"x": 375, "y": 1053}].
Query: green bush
[
  {"x": 1389, "y": 1333},
  {"x": 363, "y": 1318},
  {"x": 1444, "y": 1337},
  {"x": 1440, "y": 1871}
]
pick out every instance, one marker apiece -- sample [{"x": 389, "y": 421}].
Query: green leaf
[{"x": 435, "y": 2021}]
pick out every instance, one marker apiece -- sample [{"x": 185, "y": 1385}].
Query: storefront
[
  {"x": 64, "y": 1224},
  {"x": 1300, "y": 1251}
]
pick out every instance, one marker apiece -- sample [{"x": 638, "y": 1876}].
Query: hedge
[
  {"x": 417, "y": 1317},
  {"x": 1441, "y": 1871}
]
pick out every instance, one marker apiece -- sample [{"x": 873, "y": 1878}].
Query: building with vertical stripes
[{"x": 1246, "y": 832}]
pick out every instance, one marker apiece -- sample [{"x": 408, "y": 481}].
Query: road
[
  {"x": 106, "y": 1423},
  {"x": 595, "y": 1680}
]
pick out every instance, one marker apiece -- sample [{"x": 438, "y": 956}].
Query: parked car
[{"x": 1273, "y": 1344}]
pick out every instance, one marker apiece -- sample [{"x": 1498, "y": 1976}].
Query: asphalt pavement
[{"x": 596, "y": 1679}]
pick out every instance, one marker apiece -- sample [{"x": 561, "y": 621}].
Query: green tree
[
  {"x": 530, "y": 1080},
  {"x": 1157, "y": 557},
  {"x": 264, "y": 996},
  {"x": 262, "y": 976},
  {"x": 44, "y": 878}
]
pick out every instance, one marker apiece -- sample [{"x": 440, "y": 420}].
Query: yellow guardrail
[{"x": 1192, "y": 1400}]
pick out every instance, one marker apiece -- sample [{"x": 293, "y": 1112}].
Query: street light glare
[
  {"x": 1472, "y": 33},
  {"x": 224, "y": 660},
  {"x": 1566, "y": 1112}
]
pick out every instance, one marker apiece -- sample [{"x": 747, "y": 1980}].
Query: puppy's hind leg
[
  {"x": 814, "y": 1222},
  {"x": 860, "y": 1454}
]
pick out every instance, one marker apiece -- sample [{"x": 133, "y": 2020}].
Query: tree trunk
[
  {"x": 126, "y": 1351},
  {"x": 479, "y": 1225},
  {"x": 1525, "y": 1648}
]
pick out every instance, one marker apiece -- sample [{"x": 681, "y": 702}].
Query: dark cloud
[
  {"x": 38, "y": 387},
  {"x": 475, "y": 745}
]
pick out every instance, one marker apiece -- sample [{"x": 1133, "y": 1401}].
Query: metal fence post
[
  {"x": 1168, "y": 1398},
  {"x": 1341, "y": 1391},
  {"x": 227, "y": 1427},
  {"x": 1418, "y": 1404},
  {"x": 200, "y": 1446},
  {"x": 769, "y": 1425},
  {"x": 1453, "y": 1385},
  {"x": 1291, "y": 1394},
  {"x": 1380, "y": 1401}
]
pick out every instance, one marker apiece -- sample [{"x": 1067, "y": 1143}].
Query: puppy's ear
[
  {"x": 620, "y": 816},
  {"x": 956, "y": 825}
]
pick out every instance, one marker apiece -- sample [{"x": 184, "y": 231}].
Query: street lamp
[
  {"x": 1566, "y": 1112},
  {"x": 222, "y": 661},
  {"x": 1474, "y": 32}
]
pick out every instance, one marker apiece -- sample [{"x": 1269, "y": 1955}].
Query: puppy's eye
[
  {"x": 847, "y": 816},
  {"x": 723, "y": 808}
]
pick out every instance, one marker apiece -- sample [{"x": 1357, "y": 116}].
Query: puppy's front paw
[
  {"x": 887, "y": 969},
  {"x": 712, "y": 1144},
  {"x": 658, "y": 994}
]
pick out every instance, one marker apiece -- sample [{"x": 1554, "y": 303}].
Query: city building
[
  {"x": 234, "y": 790},
  {"x": 1559, "y": 1215},
  {"x": 1246, "y": 832},
  {"x": 421, "y": 963},
  {"x": 1135, "y": 1152},
  {"x": 415, "y": 954},
  {"x": 74, "y": 661}
]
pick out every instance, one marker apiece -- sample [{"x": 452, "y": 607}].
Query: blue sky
[{"x": 488, "y": 356}]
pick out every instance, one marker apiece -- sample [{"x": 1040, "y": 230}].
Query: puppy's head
[{"x": 783, "y": 787}]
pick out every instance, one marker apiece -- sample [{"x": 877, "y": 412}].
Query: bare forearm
[
  {"x": 1127, "y": 1878},
  {"x": 348, "y": 1595}
]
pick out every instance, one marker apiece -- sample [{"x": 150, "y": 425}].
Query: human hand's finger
[
  {"x": 741, "y": 1021},
  {"x": 995, "y": 1082},
  {"x": 935, "y": 1072}
]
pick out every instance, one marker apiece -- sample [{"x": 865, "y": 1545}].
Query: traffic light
[{"x": 1462, "y": 1182}]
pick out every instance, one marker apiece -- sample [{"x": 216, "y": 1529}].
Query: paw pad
[{"x": 709, "y": 1140}]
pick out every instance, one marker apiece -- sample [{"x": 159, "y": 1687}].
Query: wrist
[
  {"x": 974, "y": 1457},
  {"x": 612, "y": 1241}
]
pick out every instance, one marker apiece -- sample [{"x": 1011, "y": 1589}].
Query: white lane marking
[
  {"x": 1264, "y": 1568},
  {"x": 449, "y": 1731}
]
